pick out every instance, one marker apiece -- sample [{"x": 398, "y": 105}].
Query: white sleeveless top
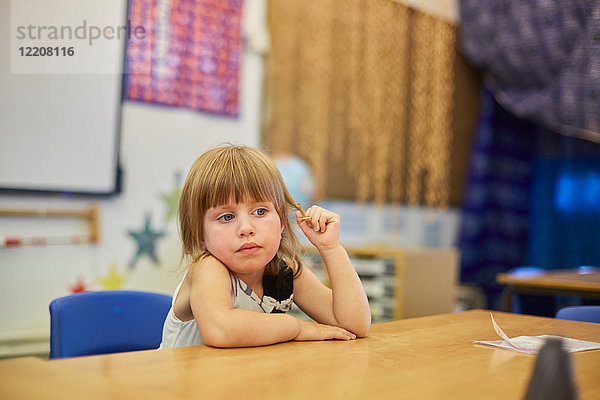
[{"x": 178, "y": 333}]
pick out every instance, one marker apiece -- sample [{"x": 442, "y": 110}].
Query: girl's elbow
[
  {"x": 213, "y": 338},
  {"x": 362, "y": 325},
  {"x": 359, "y": 328},
  {"x": 216, "y": 341},
  {"x": 218, "y": 337},
  {"x": 356, "y": 323},
  {"x": 221, "y": 341},
  {"x": 363, "y": 329}
]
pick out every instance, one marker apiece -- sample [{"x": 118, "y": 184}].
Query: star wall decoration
[
  {"x": 79, "y": 286},
  {"x": 113, "y": 280},
  {"x": 171, "y": 199},
  {"x": 146, "y": 239}
]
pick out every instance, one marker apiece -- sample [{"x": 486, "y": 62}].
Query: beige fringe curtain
[{"x": 368, "y": 83}]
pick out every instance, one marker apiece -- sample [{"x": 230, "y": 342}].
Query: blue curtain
[
  {"x": 565, "y": 211},
  {"x": 532, "y": 194},
  {"x": 532, "y": 197},
  {"x": 495, "y": 206}
]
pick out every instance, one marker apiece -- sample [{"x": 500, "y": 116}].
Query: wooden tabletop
[
  {"x": 421, "y": 358},
  {"x": 561, "y": 279}
]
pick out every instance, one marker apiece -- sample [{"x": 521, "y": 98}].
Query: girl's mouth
[{"x": 249, "y": 248}]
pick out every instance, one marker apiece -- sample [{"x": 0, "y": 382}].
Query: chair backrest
[
  {"x": 526, "y": 270},
  {"x": 580, "y": 313},
  {"x": 106, "y": 322}
]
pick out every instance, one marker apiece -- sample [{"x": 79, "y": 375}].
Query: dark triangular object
[{"x": 552, "y": 377}]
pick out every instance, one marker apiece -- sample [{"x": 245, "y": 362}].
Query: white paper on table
[{"x": 533, "y": 344}]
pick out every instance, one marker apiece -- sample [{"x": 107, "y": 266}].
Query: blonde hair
[{"x": 234, "y": 173}]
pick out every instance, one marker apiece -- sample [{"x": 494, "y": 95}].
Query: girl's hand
[
  {"x": 313, "y": 331},
  {"x": 323, "y": 227}
]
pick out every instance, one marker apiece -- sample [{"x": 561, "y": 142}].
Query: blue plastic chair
[
  {"x": 580, "y": 313},
  {"x": 106, "y": 322}
]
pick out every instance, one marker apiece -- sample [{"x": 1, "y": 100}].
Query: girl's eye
[
  {"x": 226, "y": 217},
  {"x": 260, "y": 211}
]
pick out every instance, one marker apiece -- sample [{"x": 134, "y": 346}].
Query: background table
[
  {"x": 584, "y": 282},
  {"x": 422, "y": 358}
]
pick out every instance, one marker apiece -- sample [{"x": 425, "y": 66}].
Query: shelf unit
[{"x": 402, "y": 282}]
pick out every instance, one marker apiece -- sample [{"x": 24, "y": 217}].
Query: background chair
[
  {"x": 580, "y": 313},
  {"x": 106, "y": 322}
]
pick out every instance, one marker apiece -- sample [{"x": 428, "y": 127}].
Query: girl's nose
[{"x": 245, "y": 229}]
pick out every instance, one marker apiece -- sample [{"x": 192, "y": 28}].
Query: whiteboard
[{"x": 59, "y": 132}]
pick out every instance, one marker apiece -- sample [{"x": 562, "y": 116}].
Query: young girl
[{"x": 243, "y": 260}]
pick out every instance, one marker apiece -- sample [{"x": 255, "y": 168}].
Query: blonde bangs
[{"x": 238, "y": 180}]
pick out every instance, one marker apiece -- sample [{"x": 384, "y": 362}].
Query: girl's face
[{"x": 243, "y": 236}]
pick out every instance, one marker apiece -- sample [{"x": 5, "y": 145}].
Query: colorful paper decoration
[
  {"x": 113, "y": 280},
  {"x": 146, "y": 239},
  {"x": 185, "y": 53},
  {"x": 171, "y": 198},
  {"x": 79, "y": 286}
]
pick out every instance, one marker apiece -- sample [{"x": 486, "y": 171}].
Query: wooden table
[
  {"x": 422, "y": 358},
  {"x": 583, "y": 282}
]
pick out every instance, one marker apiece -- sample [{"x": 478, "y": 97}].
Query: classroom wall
[{"x": 158, "y": 145}]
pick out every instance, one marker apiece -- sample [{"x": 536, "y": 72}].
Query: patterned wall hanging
[
  {"x": 188, "y": 54},
  {"x": 367, "y": 81},
  {"x": 540, "y": 59}
]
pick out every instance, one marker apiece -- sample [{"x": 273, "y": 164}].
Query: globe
[{"x": 297, "y": 177}]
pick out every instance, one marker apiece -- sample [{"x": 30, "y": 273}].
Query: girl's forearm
[
  {"x": 350, "y": 305},
  {"x": 243, "y": 328}
]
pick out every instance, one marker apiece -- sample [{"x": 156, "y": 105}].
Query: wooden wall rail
[{"x": 91, "y": 214}]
